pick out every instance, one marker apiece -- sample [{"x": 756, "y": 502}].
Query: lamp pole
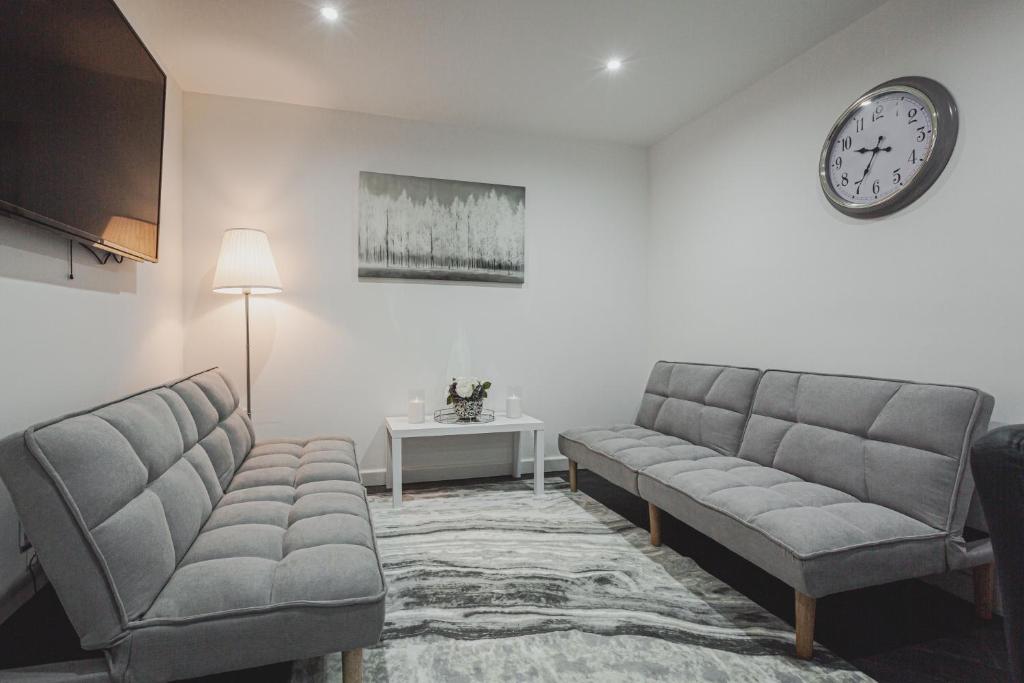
[{"x": 248, "y": 364}]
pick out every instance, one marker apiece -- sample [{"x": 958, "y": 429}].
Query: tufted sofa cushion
[
  {"x": 122, "y": 491},
  {"x": 688, "y": 410},
  {"x": 901, "y": 445},
  {"x": 619, "y": 452},
  {"x": 292, "y": 533},
  {"x": 160, "y": 526},
  {"x": 706, "y": 405},
  {"x": 291, "y": 513},
  {"x": 816, "y": 538}
]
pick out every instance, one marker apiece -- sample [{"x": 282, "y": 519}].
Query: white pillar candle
[
  {"x": 513, "y": 407},
  {"x": 416, "y": 409}
]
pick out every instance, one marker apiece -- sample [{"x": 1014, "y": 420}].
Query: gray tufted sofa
[
  {"x": 828, "y": 482},
  {"x": 182, "y": 547}
]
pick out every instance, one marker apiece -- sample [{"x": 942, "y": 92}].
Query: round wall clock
[{"x": 888, "y": 147}]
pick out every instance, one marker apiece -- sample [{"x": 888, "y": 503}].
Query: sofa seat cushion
[
  {"x": 292, "y": 536},
  {"x": 817, "y": 539},
  {"x": 290, "y": 463},
  {"x": 619, "y": 452},
  {"x": 294, "y": 525}
]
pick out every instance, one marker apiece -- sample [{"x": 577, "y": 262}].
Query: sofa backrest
[
  {"x": 113, "y": 497},
  {"x": 902, "y": 445},
  {"x": 706, "y": 405}
]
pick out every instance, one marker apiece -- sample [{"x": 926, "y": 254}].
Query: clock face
[
  {"x": 881, "y": 147},
  {"x": 889, "y": 147}
]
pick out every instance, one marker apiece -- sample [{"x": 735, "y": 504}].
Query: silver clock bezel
[{"x": 944, "y": 118}]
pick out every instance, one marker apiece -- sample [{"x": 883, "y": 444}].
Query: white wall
[
  {"x": 750, "y": 265},
  {"x": 336, "y": 354},
  {"x": 68, "y": 344}
]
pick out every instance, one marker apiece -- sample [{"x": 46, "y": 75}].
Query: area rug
[{"x": 491, "y": 583}]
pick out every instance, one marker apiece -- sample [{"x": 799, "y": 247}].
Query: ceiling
[{"x": 533, "y": 65}]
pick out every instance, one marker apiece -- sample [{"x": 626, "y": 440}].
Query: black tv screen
[{"x": 81, "y": 123}]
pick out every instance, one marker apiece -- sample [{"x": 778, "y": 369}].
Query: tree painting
[{"x": 426, "y": 228}]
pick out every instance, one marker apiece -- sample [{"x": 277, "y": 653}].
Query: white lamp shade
[{"x": 246, "y": 265}]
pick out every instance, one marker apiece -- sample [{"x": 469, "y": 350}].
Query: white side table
[{"x": 399, "y": 429}]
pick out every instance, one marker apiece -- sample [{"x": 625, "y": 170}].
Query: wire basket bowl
[{"x": 448, "y": 416}]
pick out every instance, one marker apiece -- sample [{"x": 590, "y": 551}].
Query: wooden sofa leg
[
  {"x": 804, "y": 625},
  {"x": 984, "y": 590},
  {"x": 352, "y": 666},
  {"x": 655, "y": 516},
  {"x": 572, "y": 476}
]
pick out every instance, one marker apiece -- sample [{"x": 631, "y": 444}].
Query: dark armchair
[{"x": 998, "y": 465}]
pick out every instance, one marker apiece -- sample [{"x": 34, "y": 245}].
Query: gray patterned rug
[{"x": 490, "y": 583}]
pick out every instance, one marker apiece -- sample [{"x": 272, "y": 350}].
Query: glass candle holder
[
  {"x": 514, "y": 402},
  {"x": 417, "y": 406}
]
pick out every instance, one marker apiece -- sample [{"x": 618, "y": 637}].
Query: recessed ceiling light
[
  {"x": 613, "y": 64},
  {"x": 329, "y": 13}
]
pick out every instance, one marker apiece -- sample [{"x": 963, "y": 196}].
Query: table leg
[
  {"x": 538, "y": 462},
  {"x": 387, "y": 464},
  {"x": 517, "y": 454},
  {"x": 396, "y": 473}
]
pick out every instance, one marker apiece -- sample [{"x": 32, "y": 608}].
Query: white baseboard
[{"x": 446, "y": 472}]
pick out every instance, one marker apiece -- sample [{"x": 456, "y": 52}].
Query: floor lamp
[{"x": 246, "y": 266}]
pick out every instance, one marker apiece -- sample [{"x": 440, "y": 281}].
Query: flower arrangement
[
  {"x": 467, "y": 389},
  {"x": 466, "y": 396}
]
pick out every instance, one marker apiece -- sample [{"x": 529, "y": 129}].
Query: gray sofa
[
  {"x": 182, "y": 547},
  {"x": 828, "y": 482}
]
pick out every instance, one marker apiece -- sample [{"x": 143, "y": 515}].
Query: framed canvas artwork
[{"x": 432, "y": 229}]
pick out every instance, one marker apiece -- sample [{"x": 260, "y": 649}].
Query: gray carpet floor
[{"x": 490, "y": 583}]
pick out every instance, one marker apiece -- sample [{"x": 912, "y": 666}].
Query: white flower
[{"x": 465, "y": 386}]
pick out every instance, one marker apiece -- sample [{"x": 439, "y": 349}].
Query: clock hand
[
  {"x": 874, "y": 153},
  {"x": 867, "y": 169},
  {"x": 876, "y": 148}
]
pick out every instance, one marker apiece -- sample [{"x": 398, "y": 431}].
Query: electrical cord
[
  {"x": 23, "y": 543},
  {"x": 107, "y": 255},
  {"x": 32, "y": 565}
]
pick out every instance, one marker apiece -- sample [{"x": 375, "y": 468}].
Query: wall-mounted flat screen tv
[{"x": 81, "y": 124}]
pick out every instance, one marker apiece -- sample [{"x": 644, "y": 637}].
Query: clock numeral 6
[{"x": 875, "y": 187}]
